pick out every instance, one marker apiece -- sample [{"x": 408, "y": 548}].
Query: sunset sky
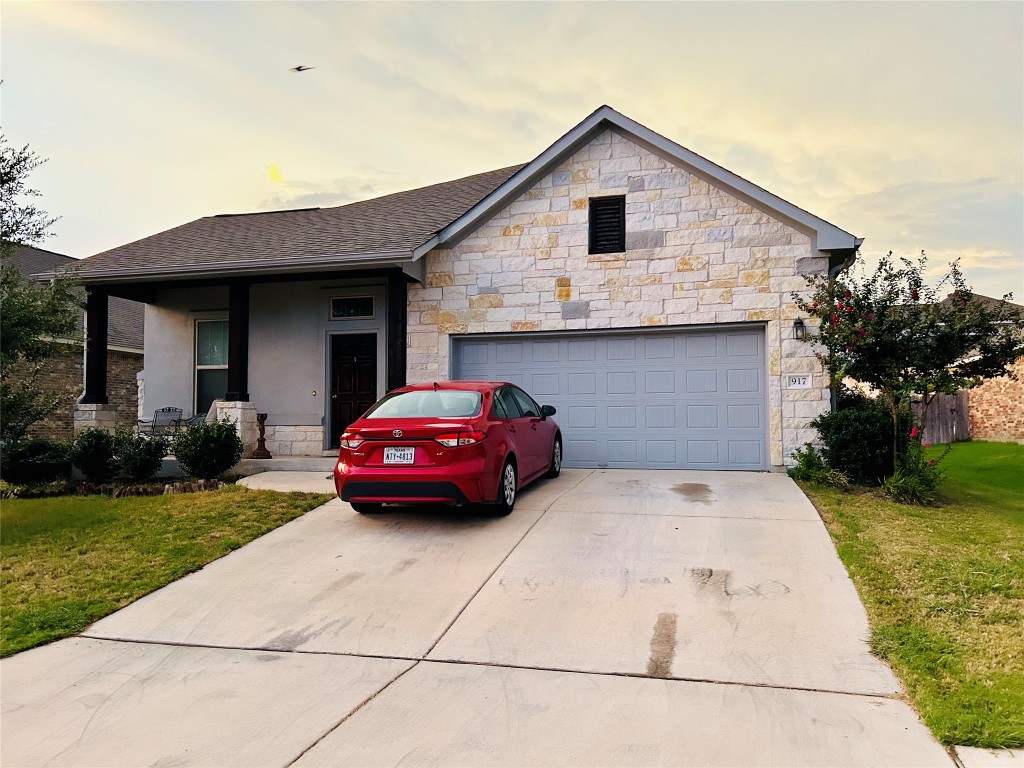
[{"x": 902, "y": 123}]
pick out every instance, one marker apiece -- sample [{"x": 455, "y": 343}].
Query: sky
[{"x": 900, "y": 122}]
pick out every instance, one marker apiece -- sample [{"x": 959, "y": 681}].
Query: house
[
  {"x": 635, "y": 285},
  {"x": 64, "y": 373}
]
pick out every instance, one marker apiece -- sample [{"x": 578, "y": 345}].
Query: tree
[
  {"x": 33, "y": 316},
  {"x": 890, "y": 330}
]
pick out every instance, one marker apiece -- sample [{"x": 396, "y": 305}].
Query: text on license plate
[{"x": 394, "y": 455}]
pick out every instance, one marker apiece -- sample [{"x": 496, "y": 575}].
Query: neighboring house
[
  {"x": 638, "y": 287},
  {"x": 995, "y": 410},
  {"x": 64, "y": 373}
]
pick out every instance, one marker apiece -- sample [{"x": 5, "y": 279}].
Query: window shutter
[{"x": 607, "y": 224}]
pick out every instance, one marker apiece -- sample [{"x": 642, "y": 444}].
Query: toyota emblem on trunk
[{"x": 396, "y": 432}]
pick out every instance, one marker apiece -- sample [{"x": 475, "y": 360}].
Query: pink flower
[
  {"x": 926, "y": 445},
  {"x": 835, "y": 319},
  {"x": 913, "y": 294},
  {"x": 861, "y": 332},
  {"x": 931, "y": 462},
  {"x": 847, "y": 294},
  {"x": 914, "y": 432}
]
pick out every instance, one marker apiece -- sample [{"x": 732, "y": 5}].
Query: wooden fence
[{"x": 947, "y": 418}]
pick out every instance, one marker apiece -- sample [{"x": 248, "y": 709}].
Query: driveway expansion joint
[
  {"x": 468, "y": 662},
  {"x": 349, "y": 714}
]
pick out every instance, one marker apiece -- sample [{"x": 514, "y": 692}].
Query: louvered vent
[{"x": 607, "y": 224}]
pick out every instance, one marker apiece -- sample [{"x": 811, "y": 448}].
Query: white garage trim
[{"x": 680, "y": 397}]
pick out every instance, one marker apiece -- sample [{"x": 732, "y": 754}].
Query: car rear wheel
[
  {"x": 507, "y": 488},
  {"x": 556, "y": 459},
  {"x": 366, "y": 507}
]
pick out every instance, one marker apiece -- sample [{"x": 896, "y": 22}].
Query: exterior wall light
[{"x": 799, "y": 331}]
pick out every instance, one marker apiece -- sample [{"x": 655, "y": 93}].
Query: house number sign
[{"x": 798, "y": 382}]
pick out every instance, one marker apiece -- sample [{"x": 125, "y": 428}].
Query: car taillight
[
  {"x": 352, "y": 440},
  {"x": 453, "y": 439}
]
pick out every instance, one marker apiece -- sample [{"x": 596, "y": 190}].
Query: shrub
[
  {"x": 909, "y": 488},
  {"x": 208, "y": 449},
  {"x": 29, "y": 462},
  {"x": 857, "y": 438},
  {"x": 93, "y": 453},
  {"x": 810, "y": 467},
  {"x": 138, "y": 457},
  {"x": 916, "y": 480}
]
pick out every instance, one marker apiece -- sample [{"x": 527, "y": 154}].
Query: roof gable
[{"x": 829, "y": 237}]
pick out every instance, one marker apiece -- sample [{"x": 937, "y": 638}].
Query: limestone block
[
  {"x": 94, "y": 416},
  {"x": 574, "y": 310}
]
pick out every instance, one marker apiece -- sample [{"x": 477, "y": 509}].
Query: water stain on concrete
[
  {"x": 663, "y": 646},
  {"x": 268, "y": 657},
  {"x": 699, "y": 493},
  {"x": 719, "y": 584},
  {"x": 406, "y": 564}
]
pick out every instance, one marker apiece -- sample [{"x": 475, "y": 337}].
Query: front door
[{"x": 353, "y": 379}]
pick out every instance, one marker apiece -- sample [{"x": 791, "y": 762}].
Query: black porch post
[
  {"x": 397, "y": 329},
  {"x": 238, "y": 341},
  {"x": 95, "y": 348}
]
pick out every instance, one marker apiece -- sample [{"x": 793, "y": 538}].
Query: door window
[
  {"x": 526, "y": 404},
  {"x": 505, "y": 406}
]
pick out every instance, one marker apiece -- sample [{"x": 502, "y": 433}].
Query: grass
[
  {"x": 68, "y": 561},
  {"x": 944, "y": 590}
]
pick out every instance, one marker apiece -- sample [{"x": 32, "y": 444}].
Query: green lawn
[
  {"x": 944, "y": 590},
  {"x": 67, "y": 561}
]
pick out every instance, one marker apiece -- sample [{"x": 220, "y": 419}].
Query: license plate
[{"x": 399, "y": 455}]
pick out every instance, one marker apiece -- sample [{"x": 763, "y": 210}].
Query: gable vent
[{"x": 607, "y": 224}]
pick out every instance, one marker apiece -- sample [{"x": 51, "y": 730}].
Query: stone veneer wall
[
  {"x": 996, "y": 408},
  {"x": 695, "y": 255},
  {"x": 295, "y": 440},
  {"x": 65, "y": 374}
]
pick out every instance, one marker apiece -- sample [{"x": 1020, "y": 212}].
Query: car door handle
[{"x": 511, "y": 427}]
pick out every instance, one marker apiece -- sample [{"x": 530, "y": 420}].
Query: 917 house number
[{"x": 798, "y": 382}]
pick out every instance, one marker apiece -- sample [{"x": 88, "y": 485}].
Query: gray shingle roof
[
  {"x": 125, "y": 321},
  {"x": 397, "y": 222}
]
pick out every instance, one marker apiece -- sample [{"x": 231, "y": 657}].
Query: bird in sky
[{"x": 301, "y": 68}]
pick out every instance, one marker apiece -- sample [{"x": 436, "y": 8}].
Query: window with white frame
[{"x": 211, "y": 362}]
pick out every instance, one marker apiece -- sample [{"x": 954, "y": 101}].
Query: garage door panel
[{"x": 663, "y": 399}]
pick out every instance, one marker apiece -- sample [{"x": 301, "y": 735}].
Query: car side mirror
[{"x": 547, "y": 410}]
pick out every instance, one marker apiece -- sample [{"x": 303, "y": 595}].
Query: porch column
[
  {"x": 95, "y": 348},
  {"x": 397, "y": 329},
  {"x": 238, "y": 342}
]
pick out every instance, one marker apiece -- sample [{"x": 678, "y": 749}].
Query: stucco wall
[
  {"x": 695, "y": 255},
  {"x": 996, "y": 408},
  {"x": 289, "y": 330}
]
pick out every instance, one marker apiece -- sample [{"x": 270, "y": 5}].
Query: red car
[{"x": 453, "y": 442}]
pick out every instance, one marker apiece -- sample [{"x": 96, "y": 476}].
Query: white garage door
[{"x": 675, "y": 399}]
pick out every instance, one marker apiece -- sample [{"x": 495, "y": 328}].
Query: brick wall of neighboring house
[
  {"x": 695, "y": 254},
  {"x": 996, "y": 408},
  {"x": 65, "y": 374}
]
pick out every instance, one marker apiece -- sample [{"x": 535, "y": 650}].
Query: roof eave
[
  {"x": 828, "y": 236},
  {"x": 393, "y": 259}
]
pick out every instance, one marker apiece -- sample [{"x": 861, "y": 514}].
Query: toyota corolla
[{"x": 454, "y": 442}]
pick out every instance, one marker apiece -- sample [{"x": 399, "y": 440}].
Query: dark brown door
[{"x": 353, "y": 379}]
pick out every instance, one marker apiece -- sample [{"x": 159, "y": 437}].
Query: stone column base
[
  {"x": 243, "y": 415},
  {"x": 95, "y": 415}
]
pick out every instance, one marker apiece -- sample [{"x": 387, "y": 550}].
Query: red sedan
[{"x": 453, "y": 442}]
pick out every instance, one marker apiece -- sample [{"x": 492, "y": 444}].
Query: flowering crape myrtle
[{"x": 891, "y": 331}]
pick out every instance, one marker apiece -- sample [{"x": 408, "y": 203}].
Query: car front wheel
[{"x": 507, "y": 488}]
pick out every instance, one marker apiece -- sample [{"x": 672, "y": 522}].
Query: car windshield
[{"x": 445, "y": 404}]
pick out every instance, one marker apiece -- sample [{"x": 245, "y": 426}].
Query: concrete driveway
[{"x": 615, "y": 618}]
